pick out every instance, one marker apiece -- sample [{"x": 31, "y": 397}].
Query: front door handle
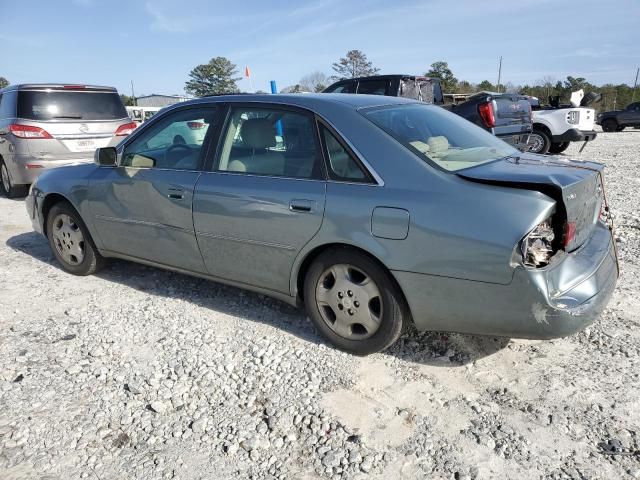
[
  {"x": 301, "y": 205},
  {"x": 176, "y": 193}
]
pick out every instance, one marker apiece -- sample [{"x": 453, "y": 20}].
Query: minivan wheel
[
  {"x": 9, "y": 190},
  {"x": 70, "y": 241},
  {"x": 354, "y": 302},
  {"x": 539, "y": 142}
]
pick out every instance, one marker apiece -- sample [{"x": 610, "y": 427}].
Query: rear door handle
[{"x": 301, "y": 205}]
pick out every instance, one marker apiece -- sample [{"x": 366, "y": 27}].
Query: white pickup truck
[{"x": 555, "y": 126}]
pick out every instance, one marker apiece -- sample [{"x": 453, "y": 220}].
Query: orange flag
[{"x": 247, "y": 72}]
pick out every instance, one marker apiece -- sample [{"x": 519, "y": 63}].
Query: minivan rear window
[{"x": 70, "y": 105}]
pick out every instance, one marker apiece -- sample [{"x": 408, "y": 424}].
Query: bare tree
[
  {"x": 314, "y": 82},
  {"x": 548, "y": 83},
  {"x": 354, "y": 64}
]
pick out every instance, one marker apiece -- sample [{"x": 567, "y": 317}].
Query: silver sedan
[{"x": 372, "y": 212}]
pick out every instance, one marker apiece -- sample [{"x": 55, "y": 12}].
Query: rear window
[
  {"x": 439, "y": 137},
  {"x": 71, "y": 105}
]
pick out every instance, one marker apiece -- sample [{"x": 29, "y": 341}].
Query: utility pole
[
  {"x": 635, "y": 84},
  {"x": 499, "y": 73},
  {"x": 133, "y": 94}
]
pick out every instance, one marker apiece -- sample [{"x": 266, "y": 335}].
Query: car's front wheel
[
  {"x": 70, "y": 241},
  {"x": 539, "y": 142},
  {"x": 8, "y": 189},
  {"x": 354, "y": 302},
  {"x": 609, "y": 125}
]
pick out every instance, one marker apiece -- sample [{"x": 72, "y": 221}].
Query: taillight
[
  {"x": 573, "y": 117},
  {"x": 126, "y": 129},
  {"x": 74, "y": 87},
  {"x": 28, "y": 131},
  {"x": 195, "y": 125},
  {"x": 538, "y": 246},
  {"x": 569, "y": 233},
  {"x": 487, "y": 115}
]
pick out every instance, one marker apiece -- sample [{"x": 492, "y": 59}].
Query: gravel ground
[{"x": 141, "y": 373}]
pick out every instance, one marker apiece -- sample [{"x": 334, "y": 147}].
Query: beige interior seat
[{"x": 259, "y": 135}]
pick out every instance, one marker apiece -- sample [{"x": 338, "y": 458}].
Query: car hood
[{"x": 575, "y": 185}]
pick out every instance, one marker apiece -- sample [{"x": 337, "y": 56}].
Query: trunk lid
[{"x": 574, "y": 185}]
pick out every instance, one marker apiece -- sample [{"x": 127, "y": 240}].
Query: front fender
[{"x": 66, "y": 183}]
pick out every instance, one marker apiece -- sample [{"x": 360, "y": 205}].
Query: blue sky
[{"x": 155, "y": 43}]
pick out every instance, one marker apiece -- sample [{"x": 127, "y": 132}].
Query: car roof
[
  {"x": 384, "y": 77},
  {"x": 307, "y": 100},
  {"x": 58, "y": 86}
]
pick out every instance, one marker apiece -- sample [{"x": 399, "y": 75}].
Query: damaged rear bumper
[{"x": 555, "y": 301}]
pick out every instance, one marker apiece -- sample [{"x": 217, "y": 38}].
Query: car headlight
[
  {"x": 573, "y": 117},
  {"x": 537, "y": 247}
]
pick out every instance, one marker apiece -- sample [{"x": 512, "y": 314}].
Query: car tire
[
  {"x": 620, "y": 128},
  {"x": 354, "y": 302},
  {"x": 609, "y": 125},
  {"x": 6, "y": 187},
  {"x": 539, "y": 142},
  {"x": 558, "y": 147},
  {"x": 71, "y": 242}
]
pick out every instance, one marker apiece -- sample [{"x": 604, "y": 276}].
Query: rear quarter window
[{"x": 70, "y": 105}]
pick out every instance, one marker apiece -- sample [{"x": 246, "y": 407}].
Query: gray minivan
[{"x": 45, "y": 126}]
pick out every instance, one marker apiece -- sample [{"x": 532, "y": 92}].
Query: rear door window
[
  {"x": 70, "y": 105},
  {"x": 373, "y": 87},
  {"x": 270, "y": 141}
]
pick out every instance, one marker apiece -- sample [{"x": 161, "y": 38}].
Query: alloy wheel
[
  {"x": 68, "y": 239},
  {"x": 6, "y": 183},
  {"x": 536, "y": 142},
  {"x": 349, "y": 302}
]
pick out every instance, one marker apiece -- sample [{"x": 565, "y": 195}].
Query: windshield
[
  {"x": 71, "y": 105},
  {"x": 438, "y": 136}
]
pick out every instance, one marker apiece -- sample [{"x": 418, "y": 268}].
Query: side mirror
[{"x": 105, "y": 157}]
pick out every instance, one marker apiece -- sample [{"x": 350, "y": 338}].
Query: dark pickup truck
[
  {"x": 506, "y": 115},
  {"x": 617, "y": 120}
]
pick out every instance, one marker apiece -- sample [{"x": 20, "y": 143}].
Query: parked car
[
  {"x": 618, "y": 120},
  {"x": 505, "y": 115},
  {"x": 373, "y": 212},
  {"x": 43, "y": 126},
  {"x": 141, "y": 114},
  {"x": 417, "y": 87},
  {"x": 555, "y": 126}
]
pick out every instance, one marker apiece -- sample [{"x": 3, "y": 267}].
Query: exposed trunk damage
[{"x": 576, "y": 186}]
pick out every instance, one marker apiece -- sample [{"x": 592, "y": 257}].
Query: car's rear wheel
[
  {"x": 620, "y": 128},
  {"x": 558, "y": 147},
  {"x": 6, "y": 187},
  {"x": 71, "y": 242},
  {"x": 609, "y": 125},
  {"x": 354, "y": 302},
  {"x": 539, "y": 142}
]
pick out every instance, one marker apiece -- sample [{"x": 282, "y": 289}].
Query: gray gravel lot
[{"x": 142, "y": 373}]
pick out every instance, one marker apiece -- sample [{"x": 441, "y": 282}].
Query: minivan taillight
[
  {"x": 195, "y": 125},
  {"x": 487, "y": 115},
  {"x": 28, "y": 131},
  {"x": 126, "y": 129}
]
